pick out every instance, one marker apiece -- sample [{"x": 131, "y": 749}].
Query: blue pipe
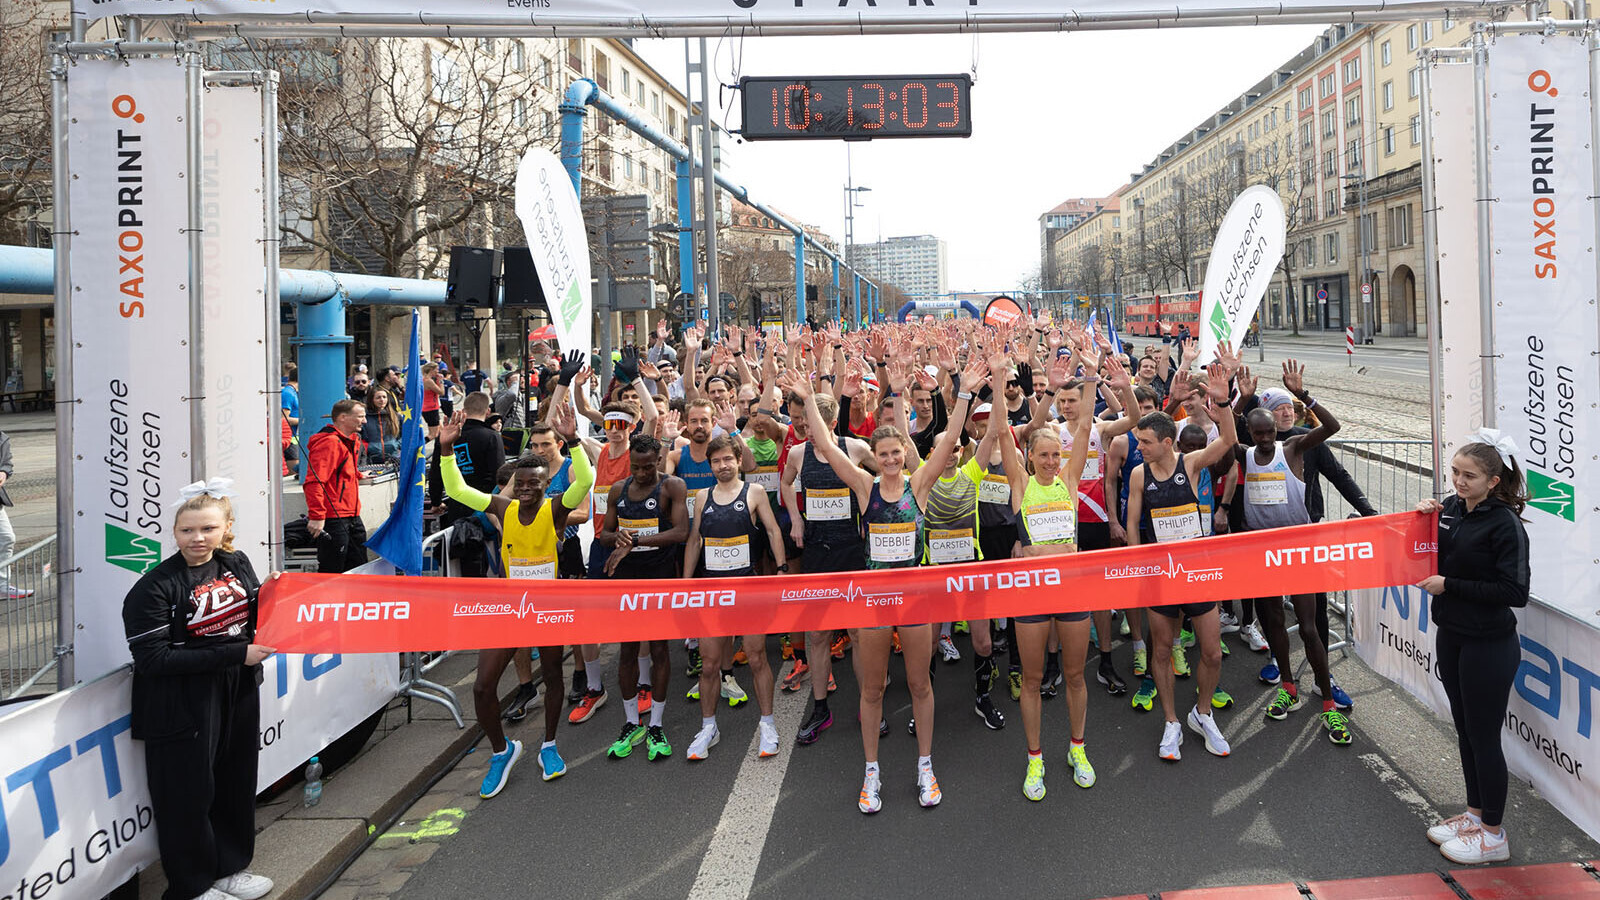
[
  {"x": 579, "y": 94},
  {"x": 834, "y": 297},
  {"x": 320, "y": 335},
  {"x": 27, "y": 270},
  {"x": 685, "y": 229},
  {"x": 800, "y": 278},
  {"x": 855, "y": 302}
]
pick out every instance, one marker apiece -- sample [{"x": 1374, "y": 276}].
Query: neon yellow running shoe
[
  {"x": 1221, "y": 699},
  {"x": 1338, "y": 727},
  {"x": 1180, "y": 663},
  {"x": 1082, "y": 772},
  {"x": 632, "y": 734},
  {"x": 1145, "y": 695},
  {"x": 1141, "y": 662},
  {"x": 1033, "y": 784}
]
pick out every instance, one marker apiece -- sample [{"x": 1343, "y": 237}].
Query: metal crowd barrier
[
  {"x": 29, "y": 646},
  {"x": 413, "y": 666}
]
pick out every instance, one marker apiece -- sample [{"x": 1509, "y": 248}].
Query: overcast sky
[{"x": 1054, "y": 116}]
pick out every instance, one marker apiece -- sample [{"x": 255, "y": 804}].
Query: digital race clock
[{"x": 856, "y": 108}]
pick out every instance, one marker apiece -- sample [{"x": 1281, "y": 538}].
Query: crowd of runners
[{"x": 932, "y": 443}]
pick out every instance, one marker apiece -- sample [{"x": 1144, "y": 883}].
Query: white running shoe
[
  {"x": 1449, "y": 828},
  {"x": 1253, "y": 638},
  {"x": 1171, "y": 740},
  {"x": 1472, "y": 846},
  {"x": 706, "y": 738},
  {"x": 768, "y": 747},
  {"x": 1206, "y": 727},
  {"x": 1229, "y": 622},
  {"x": 244, "y": 885},
  {"x": 214, "y": 894},
  {"x": 928, "y": 788},
  {"x": 870, "y": 801},
  {"x": 947, "y": 649},
  {"x": 731, "y": 691}
]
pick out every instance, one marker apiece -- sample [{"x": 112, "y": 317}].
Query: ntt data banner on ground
[
  {"x": 1549, "y": 730},
  {"x": 1449, "y": 120},
  {"x": 344, "y": 613},
  {"x": 665, "y": 14},
  {"x": 239, "y": 414},
  {"x": 1546, "y": 381},
  {"x": 129, "y": 300},
  {"x": 77, "y": 821}
]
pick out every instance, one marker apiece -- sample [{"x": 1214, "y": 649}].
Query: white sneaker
[
  {"x": 1206, "y": 727},
  {"x": 1171, "y": 740},
  {"x": 1471, "y": 846},
  {"x": 947, "y": 649},
  {"x": 1229, "y": 622},
  {"x": 704, "y": 740},
  {"x": 928, "y": 788},
  {"x": 731, "y": 691},
  {"x": 1253, "y": 638},
  {"x": 1449, "y": 828},
  {"x": 214, "y": 894},
  {"x": 768, "y": 747},
  {"x": 244, "y": 885},
  {"x": 870, "y": 801}
]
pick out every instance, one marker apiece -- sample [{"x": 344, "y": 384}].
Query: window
[
  {"x": 297, "y": 215},
  {"x": 638, "y": 93},
  {"x": 1330, "y": 247},
  {"x": 1416, "y": 130},
  {"x": 448, "y": 86},
  {"x": 486, "y": 46},
  {"x": 1414, "y": 77},
  {"x": 1308, "y": 253},
  {"x": 1388, "y": 141},
  {"x": 602, "y": 71},
  {"x": 627, "y": 82},
  {"x": 1369, "y": 232},
  {"x": 658, "y": 179},
  {"x": 547, "y": 72},
  {"x": 1330, "y": 166},
  {"x": 519, "y": 56},
  {"x": 1330, "y": 122},
  {"x": 1352, "y": 110},
  {"x": 1385, "y": 54},
  {"x": 519, "y": 112},
  {"x": 1352, "y": 71},
  {"x": 1388, "y": 96},
  {"x": 1308, "y": 134},
  {"x": 655, "y": 104},
  {"x": 575, "y": 55},
  {"x": 1427, "y": 31},
  {"x": 1352, "y": 155},
  {"x": 1330, "y": 204},
  {"x": 1400, "y": 226},
  {"x": 1328, "y": 85},
  {"x": 627, "y": 167},
  {"x": 549, "y": 124},
  {"x": 1411, "y": 37}
]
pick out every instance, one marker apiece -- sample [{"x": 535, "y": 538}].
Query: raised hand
[
  {"x": 947, "y": 354},
  {"x": 563, "y": 421},
  {"x": 795, "y": 385},
  {"x": 1217, "y": 382},
  {"x": 733, "y": 339},
  {"x": 1191, "y": 353},
  {"x": 1227, "y": 360},
  {"x": 663, "y": 331},
  {"x": 852, "y": 382},
  {"x": 450, "y": 430},
  {"x": 648, "y": 369},
  {"x": 728, "y": 418},
  {"x": 571, "y": 365},
  {"x": 627, "y": 367},
  {"x": 974, "y": 376},
  {"x": 671, "y": 426},
  {"x": 1117, "y": 374},
  {"x": 1061, "y": 370},
  {"x": 1294, "y": 376},
  {"x": 1246, "y": 383},
  {"x": 878, "y": 347},
  {"x": 925, "y": 381}
]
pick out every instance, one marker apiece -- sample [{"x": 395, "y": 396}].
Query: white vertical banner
[
  {"x": 1449, "y": 119},
  {"x": 1549, "y": 728},
  {"x": 552, "y": 221},
  {"x": 1541, "y": 170},
  {"x": 239, "y": 410},
  {"x": 129, "y": 296}
]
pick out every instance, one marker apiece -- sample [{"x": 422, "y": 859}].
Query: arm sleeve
[
  {"x": 456, "y": 487},
  {"x": 582, "y": 480},
  {"x": 842, "y": 426},
  {"x": 1510, "y": 573}
]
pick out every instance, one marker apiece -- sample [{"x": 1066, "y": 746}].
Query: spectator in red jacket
[{"x": 332, "y": 489}]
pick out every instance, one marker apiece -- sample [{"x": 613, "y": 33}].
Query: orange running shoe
[
  {"x": 799, "y": 676},
  {"x": 894, "y": 641},
  {"x": 740, "y": 659},
  {"x": 644, "y": 699},
  {"x": 592, "y": 700},
  {"x": 840, "y": 646},
  {"x": 787, "y": 645}
]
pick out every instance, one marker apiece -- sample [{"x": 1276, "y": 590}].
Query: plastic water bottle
[{"x": 314, "y": 782}]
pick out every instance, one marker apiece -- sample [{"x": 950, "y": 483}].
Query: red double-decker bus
[{"x": 1140, "y": 315}]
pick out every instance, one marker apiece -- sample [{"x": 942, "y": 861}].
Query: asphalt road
[
  {"x": 1287, "y": 805},
  {"x": 1375, "y": 362}
]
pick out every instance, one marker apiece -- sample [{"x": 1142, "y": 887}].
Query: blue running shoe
[
  {"x": 500, "y": 769},
  {"x": 1340, "y": 698},
  {"x": 551, "y": 763},
  {"x": 1269, "y": 673}
]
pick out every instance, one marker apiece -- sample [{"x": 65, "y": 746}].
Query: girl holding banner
[
  {"x": 190, "y": 624},
  {"x": 1483, "y": 575}
]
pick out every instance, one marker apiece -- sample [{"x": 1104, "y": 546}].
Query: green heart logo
[{"x": 134, "y": 552}]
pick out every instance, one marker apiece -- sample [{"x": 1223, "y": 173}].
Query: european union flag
[{"x": 399, "y": 538}]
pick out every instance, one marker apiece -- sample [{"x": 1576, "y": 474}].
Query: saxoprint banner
[
  {"x": 1549, "y": 729},
  {"x": 129, "y": 298},
  {"x": 1546, "y": 381},
  {"x": 662, "y": 16}
]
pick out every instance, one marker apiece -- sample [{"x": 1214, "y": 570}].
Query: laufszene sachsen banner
[
  {"x": 353, "y": 614},
  {"x": 129, "y": 299},
  {"x": 1546, "y": 381}
]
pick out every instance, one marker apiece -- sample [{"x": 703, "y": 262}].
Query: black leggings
[{"x": 1477, "y": 675}]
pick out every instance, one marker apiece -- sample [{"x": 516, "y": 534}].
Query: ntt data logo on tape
[
  {"x": 382, "y": 611},
  {"x": 849, "y": 593},
  {"x": 1318, "y": 553},
  {"x": 134, "y": 552},
  {"x": 1171, "y": 570},
  {"x": 522, "y": 609},
  {"x": 643, "y": 601}
]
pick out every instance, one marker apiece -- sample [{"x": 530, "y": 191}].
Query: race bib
[
  {"x": 1176, "y": 523},
  {"x": 766, "y": 476},
  {"x": 602, "y": 493},
  {"x": 995, "y": 489},
  {"x": 951, "y": 545},
  {"x": 892, "y": 542},
  {"x": 727, "y": 554},
  {"x": 1091, "y": 465},
  {"x": 641, "y": 528},
  {"x": 1266, "y": 489},
  {"x": 830, "y": 505},
  {"x": 525, "y": 567},
  {"x": 1052, "y": 522}
]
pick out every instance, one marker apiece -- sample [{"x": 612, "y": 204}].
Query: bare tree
[
  {"x": 24, "y": 120},
  {"x": 1281, "y": 168}
]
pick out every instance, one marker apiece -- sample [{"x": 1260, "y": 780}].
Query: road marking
[
  {"x": 731, "y": 860},
  {"x": 1401, "y": 788}
]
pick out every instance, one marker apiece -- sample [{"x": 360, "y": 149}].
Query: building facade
[
  {"x": 1055, "y": 223},
  {"x": 918, "y": 265}
]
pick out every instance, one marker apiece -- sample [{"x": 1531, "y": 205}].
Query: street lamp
[
  {"x": 851, "y": 202},
  {"x": 1361, "y": 235}
]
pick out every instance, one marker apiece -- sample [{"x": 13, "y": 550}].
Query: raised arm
[
  {"x": 858, "y": 479},
  {"x": 455, "y": 486},
  {"x": 1217, "y": 379},
  {"x": 1327, "y": 422},
  {"x": 973, "y": 379}
]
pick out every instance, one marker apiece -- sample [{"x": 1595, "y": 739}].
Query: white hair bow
[
  {"x": 1502, "y": 443},
  {"x": 216, "y": 487}
]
